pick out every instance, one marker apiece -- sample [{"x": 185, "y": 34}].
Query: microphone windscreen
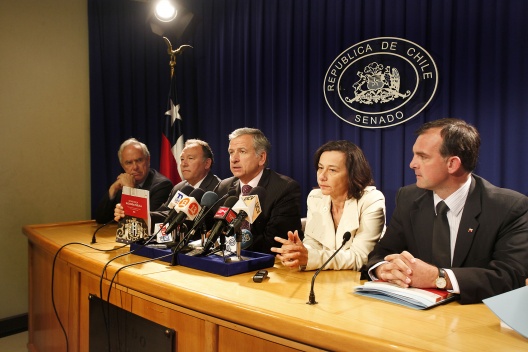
[
  {"x": 197, "y": 194},
  {"x": 230, "y": 201},
  {"x": 187, "y": 189},
  {"x": 346, "y": 237},
  {"x": 209, "y": 199}
]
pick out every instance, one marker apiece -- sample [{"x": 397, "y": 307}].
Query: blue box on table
[{"x": 213, "y": 263}]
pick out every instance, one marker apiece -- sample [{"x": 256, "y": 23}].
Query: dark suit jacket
[
  {"x": 491, "y": 251},
  {"x": 208, "y": 184},
  {"x": 158, "y": 186},
  {"x": 281, "y": 211}
]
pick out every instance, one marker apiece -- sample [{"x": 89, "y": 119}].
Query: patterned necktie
[
  {"x": 245, "y": 191},
  {"x": 441, "y": 237}
]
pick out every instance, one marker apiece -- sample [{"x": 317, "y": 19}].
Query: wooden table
[{"x": 216, "y": 313}]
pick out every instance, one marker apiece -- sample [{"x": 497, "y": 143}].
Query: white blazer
[{"x": 364, "y": 218}]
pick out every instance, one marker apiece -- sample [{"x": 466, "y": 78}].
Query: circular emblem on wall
[{"x": 380, "y": 82}]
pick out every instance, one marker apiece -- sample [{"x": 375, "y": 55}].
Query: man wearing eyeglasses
[{"x": 134, "y": 157}]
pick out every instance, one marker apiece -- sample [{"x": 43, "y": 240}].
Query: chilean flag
[{"x": 172, "y": 138}]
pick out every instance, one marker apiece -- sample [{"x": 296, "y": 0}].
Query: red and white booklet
[
  {"x": 418, "y": 298},
  {"x": 136, "y": 223}
]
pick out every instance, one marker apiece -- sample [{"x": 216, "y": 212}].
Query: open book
[
  {"x": 418, "y": 298},
  {"x": 136, "y": 223}
]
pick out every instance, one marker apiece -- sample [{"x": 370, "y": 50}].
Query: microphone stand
[
  {"x": 184, "y": 239},
  {"x": 239, "y": 257},
  {"x": 311, "y": 298}
]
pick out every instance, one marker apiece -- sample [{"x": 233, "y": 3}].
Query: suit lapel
[
  {"x": 148, "y": 180},
  {"x": 264, "y": 180},
  {"x": 207, "y": 181},
  {"x": 235, "y": 186},
  {"x": 468, "y": 224}
]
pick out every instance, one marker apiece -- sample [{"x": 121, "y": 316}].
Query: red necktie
[{"x": 246, "y": 189}]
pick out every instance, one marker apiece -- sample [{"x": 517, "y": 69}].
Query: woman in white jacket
[{"x": 346, "y": 201}]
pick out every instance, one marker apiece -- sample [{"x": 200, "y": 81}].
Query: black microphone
[
  {"x": 224, "y": 215},
  {"x": 249, "y": 207},
  {"x": 209, "y": 200},
  {"x": 186, "y": 190},
  {"x": 346, "y": 237},
  {"x": 187, "y": 208}
]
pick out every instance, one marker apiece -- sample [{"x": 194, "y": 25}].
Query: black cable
[
  {"x": 110, "y": 287},
  {"x": 100, "y": 227},
  {"x": 53, "y": 283}
]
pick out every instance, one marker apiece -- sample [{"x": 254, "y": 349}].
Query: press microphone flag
[
  {"x": 250, "y": 205},
  {"x": 187, "y": 209},
  {"x": 183, "y": 192},
  {"x": 248, "y": 208},
  {"x": 175, "y": 200}
]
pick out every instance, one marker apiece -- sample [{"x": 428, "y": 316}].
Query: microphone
[
  {"x": 175, "y": 200},
  {"x": 187, "y": 208},
  {"x": 248, "y": 208},
  {"x": 209, "y": 200},
  {"x": 311, "y": 299},
  {"x": 224, "y": 215}
]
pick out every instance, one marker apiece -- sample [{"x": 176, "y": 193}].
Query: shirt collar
[
  {"x": 254, "y": 182},
  {"x": 457, "y": 199}
]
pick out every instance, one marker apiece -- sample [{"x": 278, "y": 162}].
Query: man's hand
[
  {"x": 397, "y": 269},
  {"x": 122, "y": 180},
  {"x": 405, "y": 270},
  {"x": 119, "y": 212}
]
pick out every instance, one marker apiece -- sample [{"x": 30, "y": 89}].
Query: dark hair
[
  {"x": 207, "y": 151},
  {"x": 459, "y": 139},
  {"x": 358, "y": 168}
]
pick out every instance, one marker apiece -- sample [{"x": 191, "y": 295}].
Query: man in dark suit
[
  {"x": 196, "y": 160},
  {"x": 134, "y": 158},
  {"x": 486, "y": 228},
  {"x": 248, "y": 152}
]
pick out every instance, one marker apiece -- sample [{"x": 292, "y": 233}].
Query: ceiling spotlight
[{"x": 165, "y": 11}]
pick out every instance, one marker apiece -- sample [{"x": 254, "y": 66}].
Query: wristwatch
[{"x": 441, "y": 282}]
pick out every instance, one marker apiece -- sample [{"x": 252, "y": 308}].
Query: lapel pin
[{"x": 470, "y": 230}]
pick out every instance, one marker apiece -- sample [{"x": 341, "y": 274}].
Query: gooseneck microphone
[{"x": 311, "y": 299}]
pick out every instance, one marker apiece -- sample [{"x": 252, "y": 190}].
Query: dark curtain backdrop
[{"x": 261, "y": 63}]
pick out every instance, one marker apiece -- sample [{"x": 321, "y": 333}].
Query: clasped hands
[
  {"x": 405, "y": 270},
  {"x": 292, "y": 253}
]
